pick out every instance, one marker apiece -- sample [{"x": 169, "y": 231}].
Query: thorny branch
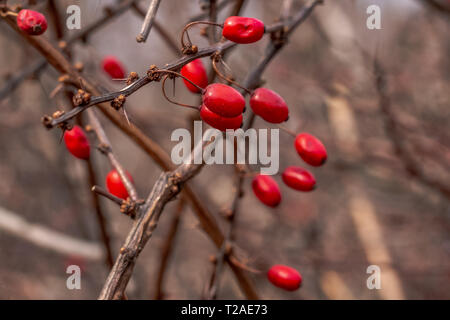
[{"x": 175, "y": 66}]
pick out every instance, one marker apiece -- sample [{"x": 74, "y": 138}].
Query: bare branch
[
  {"x": 392, "y": 129},
  {"x": 105, "y": 147},
  {"x": 148, "y": 21},
  {"x": 46, "y": 238}
]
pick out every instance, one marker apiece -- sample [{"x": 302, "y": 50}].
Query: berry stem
[
  {"x": 283, "y": 128},
  {"x": 185, "y": 30},
  {"x": 217, "y": 58},
  {"x": 172, "y": 101}
]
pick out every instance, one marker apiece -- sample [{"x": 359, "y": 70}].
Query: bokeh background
[{"x": 374, "y": 205}]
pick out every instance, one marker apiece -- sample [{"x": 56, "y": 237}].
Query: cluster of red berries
[
  {"x": 31, "y": 22},
  {"x": 78, "y": 145},
  {"x": 222, "y": 108},
  {"x": 312, "y": 151}
]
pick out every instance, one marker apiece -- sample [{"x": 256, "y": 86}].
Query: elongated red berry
[
  {"x": 269, "y": 105},
  {"x": 196, "y": 72},
  {"x": 112, "y": 66},
  {"x": 223, "y": 100},
  {"x": 267, "y": 190},
  {"x": 115, "y": 184},
  {"x": 219, "y": 122},
  {"x": 31, "y": 22},
  {"x": 310, "y": 149},
  {"x": 284, "y": 277},
  {"x": 77, "y": 143},
  {"x": 299, "y": 179},
  {"x": 242, "y": 29}
]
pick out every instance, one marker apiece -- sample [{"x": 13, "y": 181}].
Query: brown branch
[
  {"x": 54, "y": 15},
  {"x": 165, "y": 189},
  {"x": 101, "y": 191},
  {"x": 167, "y": 248},
  {"x": 132, "y": 88},
  {"x": 109, "y": 260},
  {"x": 13, "y": 82},
  {"x": 204, "y": 15},
  {"x": 106, "y": 148},
  {"x": 212, "y": 32},
  {"x": 226, "y": 248}
]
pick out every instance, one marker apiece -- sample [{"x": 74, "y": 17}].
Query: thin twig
[
  {"x": 106, "y": 147},
  {"x": 148, "y": 21},
  {"x": 212, "y": 18},
  {"x": 167, "y": 248},
  {"x": 99, "y": 190},
  {"x": 44, "y": 237},
  {"x": 171, "y": 43},
  {"x": 204, "y": 15}
]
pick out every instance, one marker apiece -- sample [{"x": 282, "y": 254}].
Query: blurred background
[{"x": 382, "y": 197}]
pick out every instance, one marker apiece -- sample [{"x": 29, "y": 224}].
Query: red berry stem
[
  {"x": 217, "y": 58},
  {"x": 189, "y": 25},
  {"x": 163, "y": 87},
  {"x": 290, "y": 132},
  {"x": 181, "y": 76}
]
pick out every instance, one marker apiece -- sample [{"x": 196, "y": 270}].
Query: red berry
[
  {"x": 196, "y": 72},
  {"x": 284, "y": 277},
  {"x": 77, "y": 143},
  {"x": 219, "y": 122},
  {"x": 223, "y": 100},
  {"x": 299, "y": 179},
  {"x": 242, "y": 29},
  {"x": 112, "y": 66},
  {"x": 115, "y": 184},
  {"x": 269, "y": 105},
  {"x": 31, "y": 22},
  {"x": 267, "y": 190},
  {"x": 310, "y": 149}
]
